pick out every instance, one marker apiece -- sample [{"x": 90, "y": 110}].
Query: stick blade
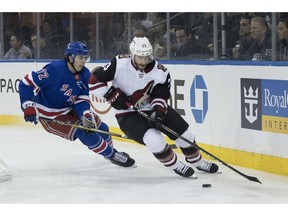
[{"x": 252, "y": 178}]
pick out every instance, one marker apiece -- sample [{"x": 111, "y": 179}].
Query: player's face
[
  {"x": 80, "y": 61},
  {"x": 141, "y": 61}
]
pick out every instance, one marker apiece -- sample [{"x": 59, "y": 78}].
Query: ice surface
[{"x": 47, "y": 169}]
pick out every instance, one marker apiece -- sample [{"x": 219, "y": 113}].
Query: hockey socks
[{"x": 95, "y": 143}]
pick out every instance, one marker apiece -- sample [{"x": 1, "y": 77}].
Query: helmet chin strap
[{"x": 72, "y": 65}]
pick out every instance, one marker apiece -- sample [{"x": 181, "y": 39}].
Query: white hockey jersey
[{"x": 145, "y": 89}]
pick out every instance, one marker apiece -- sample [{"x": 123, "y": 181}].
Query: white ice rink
[{"x": 50, "y": 170}]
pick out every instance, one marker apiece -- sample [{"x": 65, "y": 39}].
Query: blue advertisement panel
[{"x": 264, "y": 105}]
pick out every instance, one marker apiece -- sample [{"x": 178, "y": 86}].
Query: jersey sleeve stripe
[
  {"x": 82, "y": 98},
  {"x": 28, "y": 80},
  {"x": 160, "y": 102}
]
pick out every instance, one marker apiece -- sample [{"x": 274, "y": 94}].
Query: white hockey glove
[{"x": 88, "y": 120}]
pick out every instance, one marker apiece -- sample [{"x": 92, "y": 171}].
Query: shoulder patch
[
  {"x": 123, "y": 56},
  {"x": 161, "y": 67}
]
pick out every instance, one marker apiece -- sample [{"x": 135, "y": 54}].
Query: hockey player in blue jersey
[
  {"x": 60, "y": 91},
  {"x": 139, "y": 80}
]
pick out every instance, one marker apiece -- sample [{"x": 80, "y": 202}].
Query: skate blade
[
  {"x": 194, "y": 176},
  {"x": 131, "y": 167},
  {"x": 203, "y": 172}
]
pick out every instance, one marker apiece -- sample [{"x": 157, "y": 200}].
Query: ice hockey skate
[
  {"x": 184, "y": 170},
  {"x": 206, "y": 166},
  {"x": 122, "y": 159}
]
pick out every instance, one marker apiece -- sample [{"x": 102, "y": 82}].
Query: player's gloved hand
[
  {"x": 157, "y": 117},
  {"x": 30, "y": 112},
  {"x": 117, "y": 98},
  {"x": 88, "y": 120}
]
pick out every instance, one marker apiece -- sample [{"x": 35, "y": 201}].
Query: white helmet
[{"x": 140, "y": 46}]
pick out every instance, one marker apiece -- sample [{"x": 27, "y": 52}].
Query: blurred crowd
[{"x": 192, "y": 36}]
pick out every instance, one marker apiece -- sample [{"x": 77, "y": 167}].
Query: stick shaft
[
  {"x": 251, "y": 178},
  {"x": 84, "y": 128}
]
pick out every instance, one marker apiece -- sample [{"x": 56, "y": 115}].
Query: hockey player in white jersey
[
  {"x": 138, "y": 80},
  {"x": 60, "y": 91}
]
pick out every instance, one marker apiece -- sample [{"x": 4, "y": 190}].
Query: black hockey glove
[
  {"x": 157, "y": 117},
  {"x": 117, "y": 98}
]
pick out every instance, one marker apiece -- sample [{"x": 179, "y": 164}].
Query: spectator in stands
[
  {"x": 283, "y": 40},
  {"x": 186, "y": 44},
  {"x": 157, "y": 35},
  {"x": 158, "y": 50},
  {"x": 231, "y": 31},
  {"x": 204, "y": 34},
  {"x": 140, "y": 31},
  {"x": 47, "y": 49},
  {"x": 163, "y": 43},
  {"x": 26, "y": 30},
  {"x": 266, "y": 15},
  {"x": 64, "y": 30},
  {"x": 61, "y": 37},
  {"x": 94, "y": 47},
  {"x": 18, "y": 50},
  {"x": 48, "y": 31},
  {"x": 260, "y": 48},
  {"x": 240, "y": 51}
]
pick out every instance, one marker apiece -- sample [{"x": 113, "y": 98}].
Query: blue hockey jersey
[{"x": 56, "y": 90}]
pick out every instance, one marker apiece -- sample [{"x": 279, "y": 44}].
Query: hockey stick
[
  {"x": 84, "y": 128},
  {"x": 251, "y": 178}
]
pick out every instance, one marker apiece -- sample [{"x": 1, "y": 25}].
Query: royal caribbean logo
[
  {"x": 264, "y": 105},
  {"x": 251, "y": 104},
  {"x": 199, "y": 99}
]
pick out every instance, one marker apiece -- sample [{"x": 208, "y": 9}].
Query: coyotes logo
[{"x": 140, "y": 97}]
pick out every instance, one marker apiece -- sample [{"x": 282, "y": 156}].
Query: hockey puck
[{"x": 206, "y": 185}]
